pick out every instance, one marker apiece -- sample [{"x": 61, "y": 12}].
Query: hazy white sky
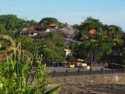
[{"x": 70, "y": 11}]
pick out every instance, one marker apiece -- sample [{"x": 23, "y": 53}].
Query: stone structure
[{"x": 92, "y": 79}]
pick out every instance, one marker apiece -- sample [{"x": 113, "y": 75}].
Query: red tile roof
[
  {"x": 92, "y": 31},
  {"x": 53, "y": 24}
]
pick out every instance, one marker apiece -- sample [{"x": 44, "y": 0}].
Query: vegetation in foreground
[{"x": 14, "y": 75}]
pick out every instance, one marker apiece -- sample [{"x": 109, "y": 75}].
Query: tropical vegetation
[{"x": 16, "y": 70}]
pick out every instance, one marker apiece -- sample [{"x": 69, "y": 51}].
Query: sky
[{"x": 69, "y": 11}]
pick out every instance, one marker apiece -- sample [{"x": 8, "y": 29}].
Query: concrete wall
[{"x": 91, "y": 79}]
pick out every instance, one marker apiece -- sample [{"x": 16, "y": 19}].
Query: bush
[{"x": 14, "y": 75}]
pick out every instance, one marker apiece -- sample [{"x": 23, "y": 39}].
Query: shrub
[{"x": 14, "y": 75}]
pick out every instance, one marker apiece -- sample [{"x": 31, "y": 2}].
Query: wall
[{"x": 92, "y": 79}]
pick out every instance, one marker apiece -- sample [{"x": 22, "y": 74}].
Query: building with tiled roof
[
  {"x": 92, "y": 31},
  {"x": 53, "y": 26},
  {"x": 35, "y": 31}
]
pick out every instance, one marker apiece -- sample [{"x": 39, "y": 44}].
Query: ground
[
  {"x": 92, "y": 89},
  {"x": 81, "y": 88}
]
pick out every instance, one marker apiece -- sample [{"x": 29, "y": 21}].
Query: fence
[{"x": 87, "y": 72}]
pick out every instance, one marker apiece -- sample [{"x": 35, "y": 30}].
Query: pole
[
  {"x": 90, "y": 67},
  {"x": 37, "y": 53}
]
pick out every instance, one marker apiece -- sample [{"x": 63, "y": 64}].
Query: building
[
  {"x": 35, "y": 31},
  {"x": 53, "y": 26}
]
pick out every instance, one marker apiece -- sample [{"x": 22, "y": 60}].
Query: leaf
[{"x": 53, "y": 90}]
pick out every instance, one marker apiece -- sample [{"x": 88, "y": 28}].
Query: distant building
[
  {"x": 68, "y": 31},
  {"x": 92, "y": 31},
  {"x": 35, "y": 31},
  {"x": 53, "y": 26}
]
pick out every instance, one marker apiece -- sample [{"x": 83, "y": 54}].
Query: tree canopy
[
  {"x": 50, "y": 20},
  {"x": 12, "y": 22},
  {"x": 91, "y": 23},
  {"x": 106, "y": 41},
  {"x": 54, "y": 49}
]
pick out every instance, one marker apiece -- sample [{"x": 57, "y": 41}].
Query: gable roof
[
  {"x": 92, "y": 31},
  {"x": 53, "y": 25}
]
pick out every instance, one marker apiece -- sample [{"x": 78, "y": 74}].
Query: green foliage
[
  {"x": 14, "y": 75},
  {"x": 12, "y": 22},
  {"x": 50, "y": 20},
  {"x": 53, "y": 91},
  {"x": 107, "y": 39},
  {"x": 29, "y": 44},
  {"x": 97, "y": 47},
  {"x": 105, "y": 43},
  {"x": 2, "y": 28},
  {"x": 55, "y": 45},
  {"x": 91, "y": 23},
  {"x": 79, "y": 34}
]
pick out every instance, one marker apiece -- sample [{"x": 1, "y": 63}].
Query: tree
[
  {"x": 85, "y": 27},
  {"x": 12, "y": 22},
  {"x": 96, "y": 47},
  {"x": 54, "y": 49},
  {"x": 28, "y": 44},
  {"x": 2, "y": 29},
  {"x": 50, "y": 20},
  {"x": 91, "y": 23}
]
